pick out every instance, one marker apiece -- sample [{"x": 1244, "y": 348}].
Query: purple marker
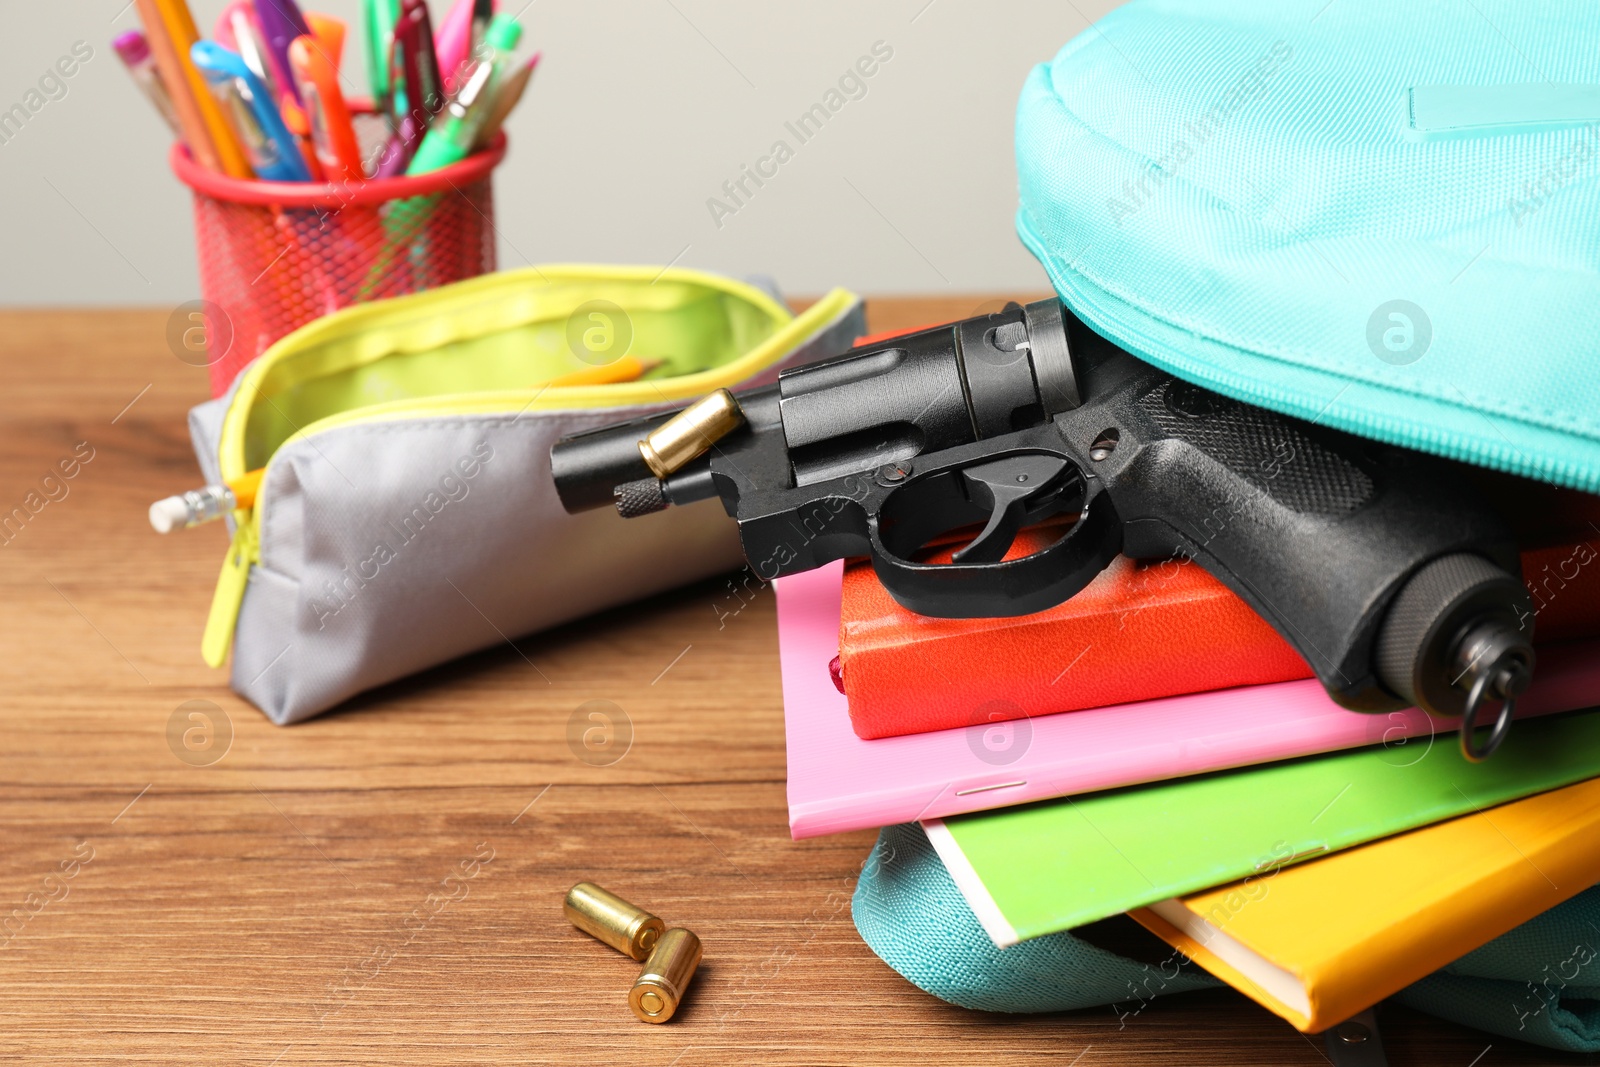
[{"x": 281, "y": 22}]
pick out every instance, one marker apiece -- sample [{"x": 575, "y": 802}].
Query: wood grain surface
[{"x": 282, "y": 905}]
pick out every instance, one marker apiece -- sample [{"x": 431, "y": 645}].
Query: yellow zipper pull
[{"x": 229, "y": 596}]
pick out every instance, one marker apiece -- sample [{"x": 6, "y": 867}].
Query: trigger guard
[{"x": 1012, "y": 587}]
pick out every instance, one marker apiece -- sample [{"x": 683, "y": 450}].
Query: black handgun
[{"x": 1383, "y": 567}]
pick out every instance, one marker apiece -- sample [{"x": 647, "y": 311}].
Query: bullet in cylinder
[{"x": 690, "y": 433}]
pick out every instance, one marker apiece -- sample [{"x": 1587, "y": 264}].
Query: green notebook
[{"x": 1039, "y": 868}]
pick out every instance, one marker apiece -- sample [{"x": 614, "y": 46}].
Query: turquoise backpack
[{"x": 1382, "y": 215}]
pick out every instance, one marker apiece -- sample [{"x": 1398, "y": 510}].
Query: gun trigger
[{"x": 1007, "y": 487}]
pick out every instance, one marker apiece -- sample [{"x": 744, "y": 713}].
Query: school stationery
[
  {"x": 178, "y": 36},
  {"x": 1318, "y": 942},
  {"x": 379, "y": 18},
  {"x": 274, "y": 154},
  {"x": 270, "y": 284},
  {"x": 458, "y": 33},
  {"x": 185, "y": 101},
  {"x": 332, "y": 131},
  {"x": 245, "y": 37},
  {"x": 453, "y": 134},
  {"x": 133, "y": 48},
  {"x": 505, "y": 100},
  {"x": 1533, "y": 983},
  {"x": 416, "y": 92},
  {"x": 209, "y": 503},
  {"x": 1137, "y": 632},
  {"x": 329, "y": 34},
  {"x": 483, "y": 12},
  {"x": 1045, "y": 867},
  {"x": 440, "y": 400},
  {"x": 281, "y": 22},
  {"x": 840, "y": 782}
]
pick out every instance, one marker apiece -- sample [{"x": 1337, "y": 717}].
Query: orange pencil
[
  {"x": 625, "y": 369},
  {"x": 170, "y": 68},
  {"x": 177, "y": 28}
]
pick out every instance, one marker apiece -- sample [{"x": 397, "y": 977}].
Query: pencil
[
  {"x": 179, "y": 30},
  {"x": 170, "y": 68}
]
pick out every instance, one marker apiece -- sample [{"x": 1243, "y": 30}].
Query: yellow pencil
[{"x": 625, "y": 369}]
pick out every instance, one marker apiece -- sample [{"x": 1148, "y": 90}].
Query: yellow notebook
[{"x": 1319, "y": 942}]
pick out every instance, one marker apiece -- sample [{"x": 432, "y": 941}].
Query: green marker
[
  {"x": 381, "y": 16},
  {"x": 451, "y": 136}
]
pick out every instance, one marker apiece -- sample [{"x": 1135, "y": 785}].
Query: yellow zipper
[
  {"x": 224, "y": 615},
  {"x": 244, "y": 550}
]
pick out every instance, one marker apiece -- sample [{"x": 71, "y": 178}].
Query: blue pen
[{"x": 273, "y": 153}]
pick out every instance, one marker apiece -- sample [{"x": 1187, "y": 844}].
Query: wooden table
[{"x": 271, "y": 908}]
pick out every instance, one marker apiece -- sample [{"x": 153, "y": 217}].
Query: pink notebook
[{"x": 839, "y": 782}]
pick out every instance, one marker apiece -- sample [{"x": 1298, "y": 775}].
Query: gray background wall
[{"x": 638, "y": 114}]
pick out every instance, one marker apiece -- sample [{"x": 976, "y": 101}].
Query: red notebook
[{"x": 1139, "y": 631}]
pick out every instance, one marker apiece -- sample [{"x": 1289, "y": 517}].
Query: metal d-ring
[{"x": 1477, "y": 697}]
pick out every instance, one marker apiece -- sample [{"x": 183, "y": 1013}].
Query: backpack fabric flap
[{"x": 1380, "y": 216}]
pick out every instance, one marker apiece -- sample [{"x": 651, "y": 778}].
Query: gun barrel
[{"x": 588, "y": 466}]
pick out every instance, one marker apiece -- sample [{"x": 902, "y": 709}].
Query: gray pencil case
[{"x": 398, "y": 454}]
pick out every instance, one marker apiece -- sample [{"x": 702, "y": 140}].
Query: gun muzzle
[
  {"x": 637, "y": 464},
  {"x": 588, "y": 466}
]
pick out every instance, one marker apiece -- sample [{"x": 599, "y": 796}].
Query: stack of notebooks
[{"x": 1152, "y": 747}]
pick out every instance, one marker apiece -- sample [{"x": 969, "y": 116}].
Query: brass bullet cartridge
[
  {"x": 613, "y": 920},
  {"x": 660, "y": 986},
  {"x": 690, "y": 432}
]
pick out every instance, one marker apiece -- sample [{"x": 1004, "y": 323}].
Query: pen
[
  {"x": 483, "y": 12},
  {"x": 424, "y": 87},
  {"x": 505, "y": 99},
  {"x": 379, "y": 19},
  {"x": 332, "y": 132},
  {"x": 450, "y": 140},
  {"x": 460, "y": 36},
  {"x": 404, "y": 135},
  {"x": 271, "y": 146},
  {"x": 281, "y": 22},
  {"x": 414, "y": 88},
  {"x": 134, "y": 50},
  {"x": 211, "y": 502},
  {"x": 329, "y": 34},
  {"x": 453, "y": 43},
  {"x": 244, "y": 36}
]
